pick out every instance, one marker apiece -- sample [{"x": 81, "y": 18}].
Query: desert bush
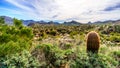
[
  {"x": 68, "y": 46},
  {"x": 51, "y": 55},
  {"x": 12, "y": 30},
  {"x": 13, "y": 39},
  {"x": 43, "y": 35},
  {"x": 117, "y": 28},
  {"x": 13, "y": 47},
  {"x": 20, "y": 60},
  {"x": 111, "y": 28},
  {"x": 93, "y": 61},
  {"x": 73, "y": 33},
  {"x": 4, "y": 38},
  {"x": 48, "y": 55},
  {"x": 53, "y": 33},
  {"x": 62, "y": 30},
  {"x": 114, "y": 38},
  {"x": 116, "y": 55},
  {"x": 108, "y": 29},
  {"x": 17, "y": 23},
  {"x": 26, "y": 32}
]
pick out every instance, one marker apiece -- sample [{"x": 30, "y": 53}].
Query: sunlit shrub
[
  {"x": 117, "y": 28},
  {"x": 53, "y": 33},
  {"x": 17, "y": 23},
  {"x": 13, "y": 47},
  {"x": 26, "y": 32},
  {"x": 73, "y": 33},
  {"x": 93, "y": 61},
  {"x": 20, "y": 60},
  {"x": 115, "y": 38},
  {"x": 51, "y": 55},
  {"x": 4, "y": 38}
]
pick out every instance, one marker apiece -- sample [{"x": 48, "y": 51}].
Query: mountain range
[
  {"x": 108, "y": 21},
  {"x": 9, "y": 20}
]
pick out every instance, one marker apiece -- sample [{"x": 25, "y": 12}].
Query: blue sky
[{"x": 62, "y": 10}]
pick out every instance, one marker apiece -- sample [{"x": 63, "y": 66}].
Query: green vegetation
[
  {"x": 2, "y": 21},
  {"x": 57, "y": 46},
  {"x": 13, "y": 39},
  {"x": 21, "y": 60},
  {"x": 17, "y": 23}
]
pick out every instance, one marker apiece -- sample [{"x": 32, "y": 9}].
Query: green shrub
[
  {"x": 17, "y": 23},
  {"x": 26, "y": 32},
  {"x": 20, "y": 60},
  {"x": 117, "y": 53},
  {"x": 117, "y": 28},
  {"x": 4, "y": 38},
  {"x": 13, "y": 47},
  {"x": 73, "y": 33},
  {"x": 53, "y": 33},
  {"x": 115, "y": 38},
  {"x": 12, "y": 30},
  {"x": 2, "y": 21},
  {"x": 51, "y": 55},
  {"x": 66, "y": 46},
  {"x": 93, "y": 61}
]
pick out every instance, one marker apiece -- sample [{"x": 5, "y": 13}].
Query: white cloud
[
  {"x": 18, "y": 3},
  {"x": 80, "y": 10},
  {"x": 87, "y": 10}
]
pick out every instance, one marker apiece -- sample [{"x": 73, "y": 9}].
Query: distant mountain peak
[{"x": 73, "y": 22}]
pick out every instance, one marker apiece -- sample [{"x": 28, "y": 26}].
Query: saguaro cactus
[{"x": 93, "y": 42}]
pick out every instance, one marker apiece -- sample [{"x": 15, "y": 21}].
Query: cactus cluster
[{"x": 93, "y": 42}]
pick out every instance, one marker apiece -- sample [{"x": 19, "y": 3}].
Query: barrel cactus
[{"x": 93, "y": 42}]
